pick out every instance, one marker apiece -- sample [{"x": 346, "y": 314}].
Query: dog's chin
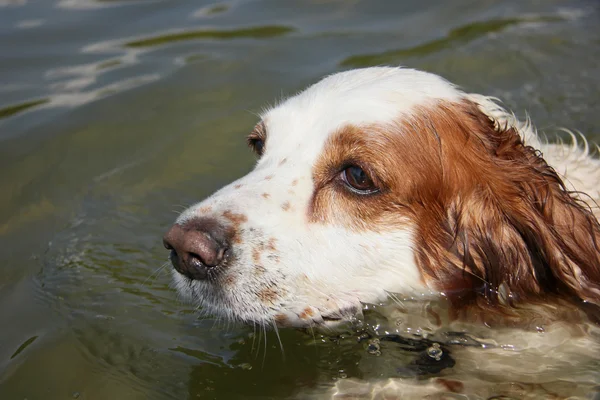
[
  {"x": 309, "y": 318},
  {"x": 318, "y": 314}
]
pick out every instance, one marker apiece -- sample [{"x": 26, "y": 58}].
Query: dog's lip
[
  {"x": 345, "y": 314},
  {"x": 331, "y": 318},
  {"x": 338, "y": 315},
  {"x": 336, "y": 321}
]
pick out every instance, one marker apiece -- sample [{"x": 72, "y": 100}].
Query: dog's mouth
[
  {"x": 350, "y": 314},
  {"x": 334, "y": 322},
  {"x": 327, "y": 318}
]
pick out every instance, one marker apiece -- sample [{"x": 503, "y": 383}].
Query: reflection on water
[
  {"x": 116, "y": 115},
  {"x": 211, "y": 10},
  {"x": 29, "y": 23},
  {"x": 256, "y": 33},
  {"x": 92, "y": 4},
  {"x": 17, "y": 108},
  {"x": 413, "y": 337},
  {"x": 456, "y": 36}
]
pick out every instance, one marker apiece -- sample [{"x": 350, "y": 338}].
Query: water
[{"x": 115, "y": 115}]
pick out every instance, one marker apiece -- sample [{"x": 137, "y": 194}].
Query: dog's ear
[{"x": 517, "y": 233}]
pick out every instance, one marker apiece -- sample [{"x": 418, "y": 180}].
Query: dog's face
[
  {"x": 305, "y": 245},
  {"x": 356, "y": 194}
]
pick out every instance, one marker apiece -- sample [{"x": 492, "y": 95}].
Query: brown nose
[{"x": 197, "y": 247}]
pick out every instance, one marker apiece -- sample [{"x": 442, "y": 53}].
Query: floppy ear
[{"x": 515, "y": 234}]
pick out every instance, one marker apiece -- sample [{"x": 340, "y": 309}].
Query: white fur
[{"x": 328, "y": 269}]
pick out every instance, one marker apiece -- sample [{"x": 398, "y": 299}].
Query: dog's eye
[
  {"x": 358, "y": 180},
  {"x": 257, "y": 144}
]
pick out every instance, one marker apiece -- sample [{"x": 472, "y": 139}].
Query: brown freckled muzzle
[{"x": 198, "y": 247}]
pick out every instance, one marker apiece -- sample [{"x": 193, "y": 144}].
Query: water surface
[{"x": 115, "y": 115}]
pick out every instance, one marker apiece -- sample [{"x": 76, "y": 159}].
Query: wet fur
[{"x": 473, "y": 206}]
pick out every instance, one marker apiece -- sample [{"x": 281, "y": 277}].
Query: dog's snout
[{"x": 197, "y": 247}]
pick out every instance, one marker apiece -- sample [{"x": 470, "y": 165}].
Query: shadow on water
[{"x": 456, "y": 36}]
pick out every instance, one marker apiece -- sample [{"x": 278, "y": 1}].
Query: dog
[{"x": 382, "y": 181}]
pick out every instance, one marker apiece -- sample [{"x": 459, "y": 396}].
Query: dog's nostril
[
  {"x": 221, "y": 254},
  {"x": 197, "y": 247},
  {"x": 196, "y": 261}
]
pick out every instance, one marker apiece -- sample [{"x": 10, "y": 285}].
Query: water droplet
[
  {"x": 374, "y": 347},
  {"x": 435, "y": 351},
  {"x": 362, "y": 336}
]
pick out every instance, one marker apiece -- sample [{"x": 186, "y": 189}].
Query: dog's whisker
[
  {"x": 395, "y": 299},
  {"x": 265, "y": 351},
  {"x": 182, "y": 206},
  {"x": 156, "y": 272},
  {"x": 253, "y": 336},
  {"x": 278, "y": 338},
  {"x": 259, "y": 340}
]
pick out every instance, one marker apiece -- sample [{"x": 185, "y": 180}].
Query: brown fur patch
[
  {"x": 266, "y": 195},
  {"x": 236, "y": 237},
  {"x": 294, "y": 182},
  {"x": 500, "y": 228},
  {"x": 235, "y": 218},
  {"x": 268, "y": 295},
  {"x": 281, "y": 319},
  {"x": 205, "y": 209},
  {"x": 285, "y": 206},
  {"x": 283, "y": 161},
  {"x": 256, "y": 253},
  {"x": 494, "y": 223},
  {"x": 268, "y": 177},
  {"x": 379, "y": 151},
  {"x": 238, "y": 186},
  {"x": 306, "y": 313}
]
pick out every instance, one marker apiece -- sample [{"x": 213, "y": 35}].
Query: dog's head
[{"x": 375, "y": 181}]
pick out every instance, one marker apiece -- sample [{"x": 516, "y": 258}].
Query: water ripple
[
  {"x": 456, "y": 36},
  {"x": 253, "y": 32}
]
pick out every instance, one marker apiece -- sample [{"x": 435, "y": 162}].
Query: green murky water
[{"x": 115, "y": 115}]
